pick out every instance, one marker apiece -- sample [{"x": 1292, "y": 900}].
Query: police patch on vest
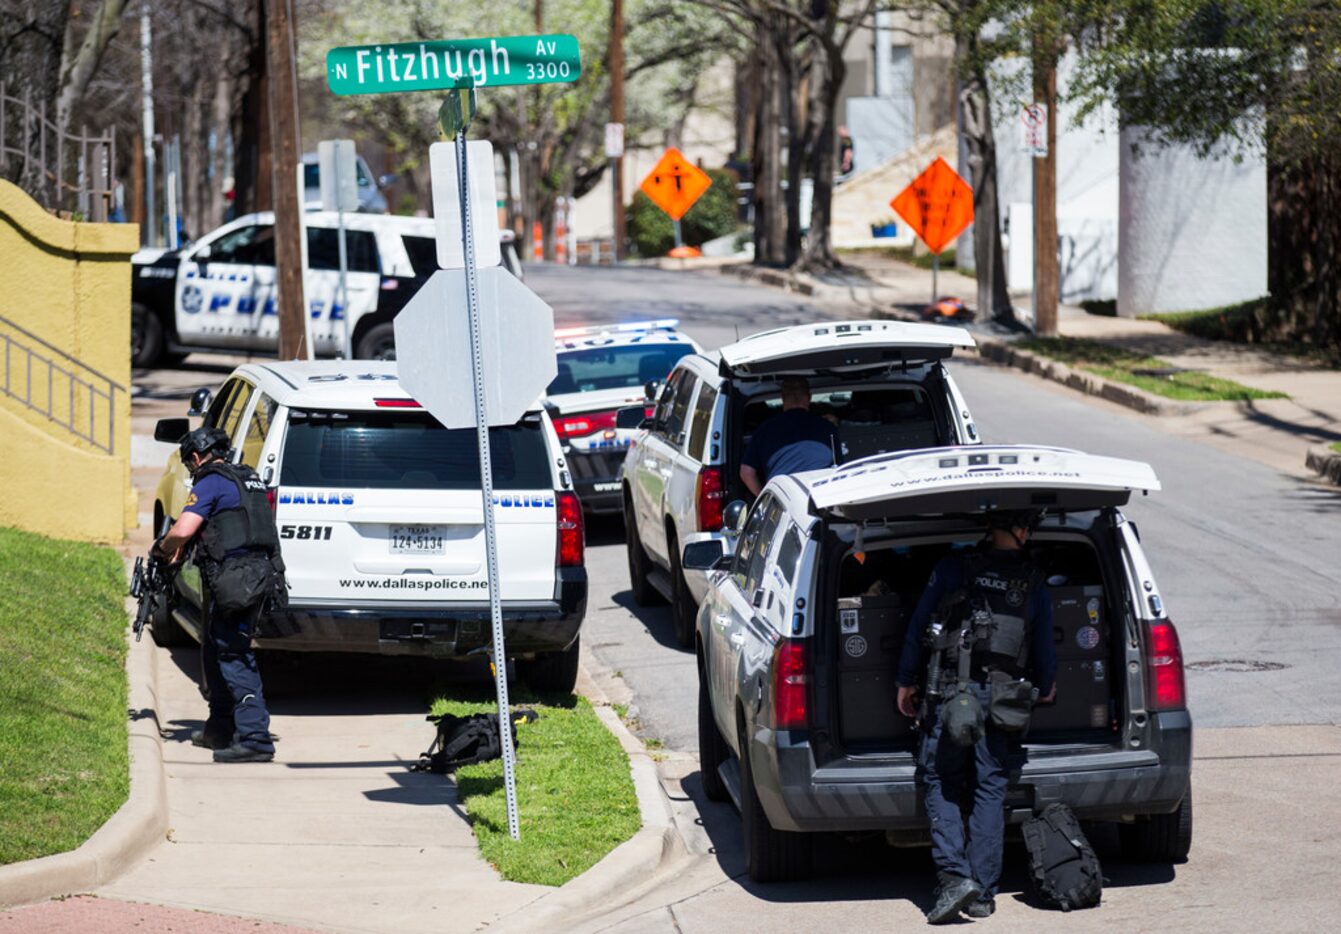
[
  {"x": 1015, "y": 598},
  {"x": 849, "y": 620},
  {"x": 855, "y": 646},
  {"x": 1087, "y": 637}
]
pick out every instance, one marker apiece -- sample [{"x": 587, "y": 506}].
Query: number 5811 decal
[{"x": 319, "y": 533}]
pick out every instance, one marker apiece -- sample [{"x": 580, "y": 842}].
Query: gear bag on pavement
[
  {"x": 1063, "y": 868},
  {"x": 467, "y": 740}
]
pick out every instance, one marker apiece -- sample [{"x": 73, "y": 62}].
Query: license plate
[{"x": 416, "y": 540}]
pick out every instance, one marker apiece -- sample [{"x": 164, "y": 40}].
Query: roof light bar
[{"x": 661, "y": 324}]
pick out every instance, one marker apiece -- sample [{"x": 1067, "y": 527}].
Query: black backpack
[
  {"x": 1063, "y": 868},
  {"x": 466, "y": 741}
]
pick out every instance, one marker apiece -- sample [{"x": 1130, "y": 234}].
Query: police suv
[
  {"x": 882, "y": 383},
  {"x": 220, "y": 293},
  {"x": 799, "y": 636},
  {"x": 601, "y": 369},
  {"x": 381, "y": 523}
]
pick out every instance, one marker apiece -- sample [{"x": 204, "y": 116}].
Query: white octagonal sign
[{"x": 517, "y": 346}]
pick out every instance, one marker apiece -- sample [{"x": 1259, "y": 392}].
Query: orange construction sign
[
  {"x": 938, "y": 205},
  {"x": 675, "y": 184}
]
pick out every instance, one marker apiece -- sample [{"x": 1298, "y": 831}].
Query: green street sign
[{"x": 452, "y": 63}]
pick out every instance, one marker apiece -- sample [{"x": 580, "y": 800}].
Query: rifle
[{"x": 147, "y": 583}]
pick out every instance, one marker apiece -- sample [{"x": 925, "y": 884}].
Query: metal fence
[
  {"x": 83, "y": 184},
  {"x": 47, "y": 380}
]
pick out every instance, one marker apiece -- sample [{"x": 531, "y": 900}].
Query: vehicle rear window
[
  {"x": 407, "y": 450},
  {"x": 591, "y": 368},
  {"x": 323, "y": 249}
]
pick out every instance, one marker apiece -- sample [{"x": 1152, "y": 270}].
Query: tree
[{"x": 1263, "y": 74}]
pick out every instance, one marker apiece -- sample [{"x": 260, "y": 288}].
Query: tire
[
  {"x": 377, "y": 343},
  {"x": 551, "y": 672},
  {"x": 712, "y": 749},
  {"x": 640, "y": 566},
  {"x": 165, "y": 629},
  {"x": 146, "y": 336},
  {"x": 1163, "y": 838},
  {"x": 770, "y": 855},
  {"x": 683, "y": 608}
]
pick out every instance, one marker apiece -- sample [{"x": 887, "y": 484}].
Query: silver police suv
[{"x": 799, "y": 635}]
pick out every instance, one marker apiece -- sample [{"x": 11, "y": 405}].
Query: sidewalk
[{"x": 1279, "y": 432}]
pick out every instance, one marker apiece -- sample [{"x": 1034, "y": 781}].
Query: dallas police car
[
  {"x": 601, "y": 369},
  {"x": 220, "y": 293},
  {"x": 381, "y": 523}
]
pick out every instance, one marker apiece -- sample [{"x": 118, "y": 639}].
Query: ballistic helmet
[
  {"x": 1009, "y": 519},
  {"x": 202, "y": 441}
]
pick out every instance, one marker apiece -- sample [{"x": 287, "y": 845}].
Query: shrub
[{"x": 713, "y": 215}]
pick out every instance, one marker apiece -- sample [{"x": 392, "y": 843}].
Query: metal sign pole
[
  {"x": 487, "y": 483},
  {"x": 935, "y": 276},
  {"x": 344, "y": 286},
  {"x": 679, "y": 242}
]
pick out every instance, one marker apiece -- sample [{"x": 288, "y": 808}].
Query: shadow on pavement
[
  {"x": 655, "y": 619},
  {"x": 862, "y": 867}
]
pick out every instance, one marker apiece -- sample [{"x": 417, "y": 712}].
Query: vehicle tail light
[
  {"x": 396, "y": 404},
  {"x": 576, "y": 426},
  {"x": 791, "y": 684},
  {"x": 1164, "y": 667},
  {"x": 572, "y": 540},
  {"x": 710, "y": 494},
  {"x": 272, "y": 497}
]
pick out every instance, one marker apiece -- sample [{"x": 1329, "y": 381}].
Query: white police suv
[
  {"x": 602, "y": 368},
  {"x": 381, "y": 522},
  {"x": 220, "y": 293}
]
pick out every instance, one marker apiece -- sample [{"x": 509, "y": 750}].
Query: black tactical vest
[
  {"x": 248, "y": 528},
  {"x": 993, "y": 606}
]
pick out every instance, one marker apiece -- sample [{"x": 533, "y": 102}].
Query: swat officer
[
  {"x": 985, "y": 622},
  {"x": 228, "y": 520}
]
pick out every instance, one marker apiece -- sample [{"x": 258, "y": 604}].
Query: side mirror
[
  {"x": 200, "y": 402},
  {"x": 651, "y": 388},
  {"x": 704, "y": 555},
  {"x": 631, "y": 416},
  {"x": 170, "y": 430},
  {"x": 733, "y": 516}
]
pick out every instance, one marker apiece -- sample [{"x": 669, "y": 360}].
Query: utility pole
[
  {"x": 617, "y": 117},
  {"x": 1045, "y": 190},
  {"x": 147, "y": 104},
  {"x": 283, "y": 80}
]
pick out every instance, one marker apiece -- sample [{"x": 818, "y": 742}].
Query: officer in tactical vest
[
  {"x": 982, "y": 637},
  {"x": 229, "y": 522}
]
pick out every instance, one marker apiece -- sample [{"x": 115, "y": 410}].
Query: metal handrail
[{"x": 79, "y": 386}]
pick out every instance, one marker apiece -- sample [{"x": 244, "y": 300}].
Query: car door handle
[
  {"x": 737, "y": 639},
  {"x": 721, "y": 620}
]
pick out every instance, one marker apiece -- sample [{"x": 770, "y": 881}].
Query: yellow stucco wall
[{"x": 68, "y": 284}]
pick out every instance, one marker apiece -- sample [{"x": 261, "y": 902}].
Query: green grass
[
  {"x": 1115, "y": 363},
  {"x": 1254, "y": 322},
  {"x": 62, "y": 693},
  {"x": 575, "y": 796},
  {"x": 1336, "y": 446}
]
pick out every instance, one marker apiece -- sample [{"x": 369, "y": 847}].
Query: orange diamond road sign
[
  {"x": 938, "y": 205},
  {"x": 675, "y": 184}
]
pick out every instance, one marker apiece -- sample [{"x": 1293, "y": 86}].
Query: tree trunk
[
  {"x": 795, "y": 75},
  {"x": 78, "y": 67},
  {"x": 251, "y": 154},
  {"x": 30, "y": 48},
  {"x": 829, "y": 73},
  {"x": 769, "y": 211},
  {"x": 1303, "y": 244},
  {"x": 976, "y": 109}
]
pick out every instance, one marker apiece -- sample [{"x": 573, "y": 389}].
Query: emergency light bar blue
[{"x": 661, "y": 324}]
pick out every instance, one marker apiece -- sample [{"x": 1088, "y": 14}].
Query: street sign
[
  {"x": 938, "y": 205},
  {"x": 453, "y": 63},
  {"x": 445, "y": 174},
  {"x": 337, "y": 174},
  {"x": 614, "y": 140},
  {"x": 1034, "y": 131},
  {"x": 675, "y": 184},
  {"x": 516, "y": 347}
]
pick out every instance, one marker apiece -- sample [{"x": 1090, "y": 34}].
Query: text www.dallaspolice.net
[{"x": 409, "y": 583}]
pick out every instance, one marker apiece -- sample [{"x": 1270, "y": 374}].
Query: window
[
  {"x": 698, "y": 432},
  {"x": 323, "y": 249},
  {"x": 789, "y": 553},
  {"x": 236, "y": 407},
  {"x": 759, "y": 558},
  {"x": 745, "y": 545},
  {"x": 253, "y": 246},
  {"x": 589, "y": 369},
  {"x": 679, "y": 406},
  {"x": 221, "y": 405},
  {"x": 407, "y": 450},
  {"x": 257, "y": 429},
  {"x": 423, "y": 253},
  {"x": 664, "y": 400}
]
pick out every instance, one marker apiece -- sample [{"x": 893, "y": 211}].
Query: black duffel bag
[{"x": 1064, "y": 870}]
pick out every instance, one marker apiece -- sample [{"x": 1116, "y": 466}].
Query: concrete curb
[
  {"x": 627, "y": 870},
  {"x": 139, "y": 823},
  {"x": 786, "y": 281},
  {"x": 1326, "y": 462}
]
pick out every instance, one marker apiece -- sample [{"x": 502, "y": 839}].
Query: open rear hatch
[
  {"x": 840, "y": 347},
  {"x": 978, "y": 479}
]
